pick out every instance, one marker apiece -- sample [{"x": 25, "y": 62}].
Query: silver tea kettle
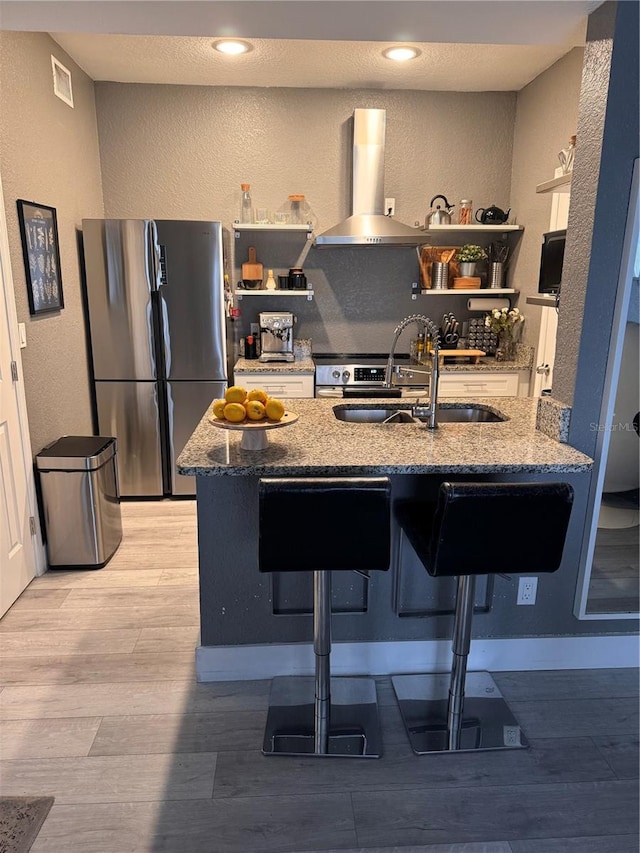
[{"x": 438, "y": 216}]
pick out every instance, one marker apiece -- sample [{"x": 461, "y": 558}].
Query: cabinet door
[
  {"x": 478, "y": 385},
  {"x": 278, "y": 384}
]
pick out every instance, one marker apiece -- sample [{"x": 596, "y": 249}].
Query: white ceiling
[
  {"x": 308, "y": 64},
  {"x": 466, "y": 44}
]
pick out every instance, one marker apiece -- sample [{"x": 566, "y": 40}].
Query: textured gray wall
[
  {"x": 608, "y": 137},
  {"x": 546, "y": 116},
  {"x": 49, "y": 154},
  {"x": 171, "y": 151},
  {"x": 182, "y": 151}
]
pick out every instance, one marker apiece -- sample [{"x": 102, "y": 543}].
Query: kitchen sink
[
  {"x": 394, "y": 415},
  {"x": 373, "y": 416},
  {"x": 469, "y": 414}
]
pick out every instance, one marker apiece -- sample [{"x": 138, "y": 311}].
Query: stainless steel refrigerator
[{"x": 157, "y": 323}]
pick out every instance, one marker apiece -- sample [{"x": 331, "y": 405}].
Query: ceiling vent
[{"x": 61, "y": 81}]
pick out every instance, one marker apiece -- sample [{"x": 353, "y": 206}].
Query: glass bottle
[
  {"x": 297, "y": 203},
  {"x": 246, "y": 209},
  {"x": 566, "y": 156},
  {"x": 465, "y": 209},
  {"x": 420, "y": 353}
]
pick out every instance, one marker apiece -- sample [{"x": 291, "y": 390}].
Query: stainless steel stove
[{"x": 348, "y": 375}]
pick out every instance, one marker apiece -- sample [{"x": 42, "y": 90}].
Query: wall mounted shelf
[
  {"x": 561, "y": 184},
  {"x": 240, "y": 294},
  {"x": 240, "y": 227},
  {"x": 472, "y": 229},
  {"x": 485, "y": 291},
  {"x": 544, "y": 301}
]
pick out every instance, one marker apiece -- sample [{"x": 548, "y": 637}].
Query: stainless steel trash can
[{"x": 81, "y": 501}]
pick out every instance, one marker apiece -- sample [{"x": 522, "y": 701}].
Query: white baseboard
[{"x": 246, "y": 663}]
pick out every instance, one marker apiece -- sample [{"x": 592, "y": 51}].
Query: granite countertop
[
  {"x": 523, "y": 361},
  {"x": 318, "y": 443},
  {"x": 252, "y": 365}
]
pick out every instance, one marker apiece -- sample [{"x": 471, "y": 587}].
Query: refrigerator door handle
[
  {"x": 154, "y": 258},
  {"x": 157, "y": 265}
]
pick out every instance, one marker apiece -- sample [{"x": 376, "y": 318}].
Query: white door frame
[{"x": 7, "y": 295}]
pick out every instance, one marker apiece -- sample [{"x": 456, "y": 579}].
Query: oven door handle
[
  {"x": 328, "y": 391},
  {"x": 371, "y": 392}
]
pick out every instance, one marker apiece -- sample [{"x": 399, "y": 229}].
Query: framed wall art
[{"x": 39, "y": 233}]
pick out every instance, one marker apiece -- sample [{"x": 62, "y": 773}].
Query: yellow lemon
[
  {"x": 255, "y": 410},
  {"x": 258, "y": 394},
  {"x": 235, "y": 394},
  {"x": 274, "y": 409},
  {"x": 234, "y": 412},
  {"x": 218, "y": 408}
]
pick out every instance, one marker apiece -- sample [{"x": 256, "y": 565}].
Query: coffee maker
[{"x": 276, "y": 336}]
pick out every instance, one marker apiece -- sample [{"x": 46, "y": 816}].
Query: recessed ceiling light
[
  {"x": 232, "y": 47},
  {"x": 401, "y": 54}
]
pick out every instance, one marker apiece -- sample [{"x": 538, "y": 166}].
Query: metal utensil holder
[
  {"x": 439, "y": 275},
  {"x": 495, "y": 278}
]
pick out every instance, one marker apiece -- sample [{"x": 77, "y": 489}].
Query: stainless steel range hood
[{"x": 368, "y": 226}]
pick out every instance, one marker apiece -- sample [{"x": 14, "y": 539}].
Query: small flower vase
[
  {"x": 506, "y": 349},
  {"x": 467, "y": 268}
]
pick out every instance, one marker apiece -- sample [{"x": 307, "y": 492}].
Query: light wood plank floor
[{"x": 100, "y": 708}]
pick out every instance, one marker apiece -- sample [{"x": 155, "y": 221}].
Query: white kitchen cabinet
[
  {"x": 513, "y": 383},
  {"x": 281, "y": 385}
]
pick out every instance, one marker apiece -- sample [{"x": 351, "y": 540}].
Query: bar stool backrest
[
  {"x": 321, "y": 523},
  {"x": 493, "y": 528}
]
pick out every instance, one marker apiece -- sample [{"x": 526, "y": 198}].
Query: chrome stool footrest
[
  {"x": 346, "y": 725},
  {"x": 486, "y": 722}
]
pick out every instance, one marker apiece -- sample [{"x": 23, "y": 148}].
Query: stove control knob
[
  {"x": 345, "y": 375},
  {"x": 336, "y": 374}
]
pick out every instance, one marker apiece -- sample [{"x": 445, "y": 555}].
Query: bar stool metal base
[
  {"x": 353, "y": 727},
  {"x": 487, "y": 722}
]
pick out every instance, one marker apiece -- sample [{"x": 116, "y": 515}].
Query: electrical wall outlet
[
  {"x": 255, "y": 328},
  {"x": 389, "y": 207},
  {"x": 527, "y": 590}
]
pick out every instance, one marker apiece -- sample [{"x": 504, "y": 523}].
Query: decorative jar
[{"x": 506, "y": 349}]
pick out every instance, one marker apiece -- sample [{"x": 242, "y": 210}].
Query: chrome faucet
[{"x": 429, "y": 327}]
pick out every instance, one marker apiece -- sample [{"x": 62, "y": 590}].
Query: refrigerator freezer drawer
[
  {"x": 130, "y": 412},
  {"x": 187, "y": 402}
]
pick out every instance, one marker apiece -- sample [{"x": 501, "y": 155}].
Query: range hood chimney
[{"x": 368, "y": 226}]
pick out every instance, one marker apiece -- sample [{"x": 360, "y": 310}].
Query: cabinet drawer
[
  {"x": 277, "y": 384},
  {"x": 478, "y": 385}
]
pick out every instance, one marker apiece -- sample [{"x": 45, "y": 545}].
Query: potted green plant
[{"x": 467, "y": 257}]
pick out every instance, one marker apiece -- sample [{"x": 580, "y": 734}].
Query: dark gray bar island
[{"x": 256, "y": 626}]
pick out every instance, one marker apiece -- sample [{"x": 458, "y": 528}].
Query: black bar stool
[
  {"x": 319, "y": 715},
  {"x": 457, "y": 537}
]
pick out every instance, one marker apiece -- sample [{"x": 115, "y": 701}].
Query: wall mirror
[{"x": 608, "y": 584}]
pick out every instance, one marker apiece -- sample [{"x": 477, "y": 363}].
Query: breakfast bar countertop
[{"x": 318, "y": 444}]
